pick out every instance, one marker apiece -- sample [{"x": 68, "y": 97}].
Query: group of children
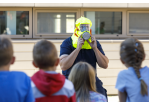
[{"x": 47, "y": 85}]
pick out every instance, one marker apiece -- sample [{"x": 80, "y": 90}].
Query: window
[
  {"x": 138, "y": 23},
  {"x": 54, "y": 22},
  {"x": 105, "y": 22},
  {"x": 15, "y": 23},
  {"x": 51, "y": 23}
]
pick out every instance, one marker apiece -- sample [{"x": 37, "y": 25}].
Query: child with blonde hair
[{"x": 82, "y": 76}]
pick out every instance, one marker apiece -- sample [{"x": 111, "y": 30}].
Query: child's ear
[
  {"x": 34, "y": 64},
  {"x": 13, "y": 60},
  {"x": 57, "y": 62},
  {"x": 122, "y": 61}
]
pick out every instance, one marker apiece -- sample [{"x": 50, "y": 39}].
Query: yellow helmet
[
  {"x": 83, "y": 20},
  {"x": 77, "y": 32}
]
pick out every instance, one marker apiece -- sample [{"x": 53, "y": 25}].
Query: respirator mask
[{"x": 85, "y": 29}]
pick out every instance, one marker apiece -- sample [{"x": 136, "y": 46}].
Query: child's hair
[
  {"x": 6, "y": 50},
  {"x": 132, "y": 54},
  {"x": 44, "y": 54},
  {"x": 82, "y": 76}
]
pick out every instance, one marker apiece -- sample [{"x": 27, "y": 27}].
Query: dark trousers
[{"x": 99, "y": 87}]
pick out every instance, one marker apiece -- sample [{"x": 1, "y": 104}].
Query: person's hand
[
  {"x": 93, "y": 43},
  {"x": 80, "y": 43}
]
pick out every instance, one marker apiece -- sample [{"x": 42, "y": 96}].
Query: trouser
[{"x": 99, "y": 87}]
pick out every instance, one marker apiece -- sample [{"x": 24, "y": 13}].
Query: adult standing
[{"x": 75, "y": 49}]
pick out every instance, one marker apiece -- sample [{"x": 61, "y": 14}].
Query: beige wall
[{"x": 23, "y": 53}]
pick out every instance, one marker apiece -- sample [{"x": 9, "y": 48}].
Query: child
[
  {"x": 47, "y": 85},
  {"x": 82, "y": 76},
  {"x": 133, "y": 83},
  {"x": 14, "y": 86}
]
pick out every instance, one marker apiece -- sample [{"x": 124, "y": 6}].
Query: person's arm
[
  {"x": 66, "y": 61},
  {"x": 122, "y": 96},
  {"x": 102, "y": 60}
]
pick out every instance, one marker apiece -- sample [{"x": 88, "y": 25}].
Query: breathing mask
[{"x": 85, "y": 28}]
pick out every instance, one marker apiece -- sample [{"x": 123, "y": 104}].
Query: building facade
[{"x": 27, "y": 23}]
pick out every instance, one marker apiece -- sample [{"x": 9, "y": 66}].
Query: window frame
[
  {"x": 54, "y": 10},
  {"x": 30, "y": 21},
  {"x": 135, "y": 34},
  {"x": 109, "y": 36}
]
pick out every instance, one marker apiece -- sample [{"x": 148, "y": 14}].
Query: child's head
[
  {"x": 45, "y": 55},
  {"x": 132, "y": 54},
  {"x": 82, "y": 76},
  {"x": 6, "y": 51}
]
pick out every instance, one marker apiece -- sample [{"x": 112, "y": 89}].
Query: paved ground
[{"x": 113, "y": 99}]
